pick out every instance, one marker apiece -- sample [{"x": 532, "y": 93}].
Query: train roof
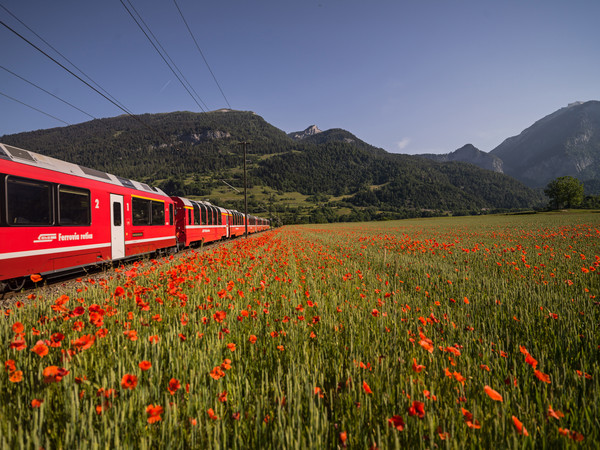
[{"x": 18, "y": 155}]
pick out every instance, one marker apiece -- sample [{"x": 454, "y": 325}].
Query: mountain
[
  {"x": 566, "y": 142},
  {"x": 324, "y": 176},
  {"x": 472, "y": 155},
  {"x": 310, "y": 131}
]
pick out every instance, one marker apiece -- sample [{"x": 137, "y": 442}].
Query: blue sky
[{"x": 413, "y": 77}]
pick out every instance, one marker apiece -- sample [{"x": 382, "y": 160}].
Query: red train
[{"x": 57, "y": 216}]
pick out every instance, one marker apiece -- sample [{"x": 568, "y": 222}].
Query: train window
[
  {"x": 158, "y": 213},
  {"x": 117, "y": 220},
  {"x": 196, "y": 213},
  {"x": 203, "y": 211},
  {"x": 171, "y": 214},
  {"x": 28, "y": 202},
  {"x": 2, "y": 197},
  {"x": 189, "y": 216},
  {"x": 73, "y": 206},
  {"x": 140, "y": 210},
  {"x": 219, "y": 216}
]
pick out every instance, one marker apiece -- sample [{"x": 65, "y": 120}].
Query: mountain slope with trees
[
  {"x": 195, "y": 153},
  {"x": 566, "y": 142}
]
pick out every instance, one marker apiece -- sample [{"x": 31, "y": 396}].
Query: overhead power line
[
  {"x": 38, "y": 110},
  {"x": 203, "y": 109},
  {"x": 66, "y": 59},
  {"x": 47, "y": 92},
  {"x": 201, "y": 54},
  {"x": 83, "y": 81}
]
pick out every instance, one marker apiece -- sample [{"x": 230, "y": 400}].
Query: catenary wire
[
  {"x": 201, "y": 54},
  {"x": 168, "y": 56},
  {"x": 32, "y": 107},
  {"x": 161, "y": 55},
  {"x": 83, "y": 81},
  {"x": 67, "y": 59},
  {"x": 47, "y": 92}
]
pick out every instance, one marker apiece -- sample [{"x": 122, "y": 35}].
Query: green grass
[{"x": 343, "y": 308}]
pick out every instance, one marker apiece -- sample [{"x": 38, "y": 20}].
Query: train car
[
  {"x": 56, "y": 216},
  {"x": 200, "y": 222},
  {"x": 237, "y": 225}
]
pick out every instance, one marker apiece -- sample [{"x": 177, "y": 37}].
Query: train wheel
[{"x": 16, "y": 284}]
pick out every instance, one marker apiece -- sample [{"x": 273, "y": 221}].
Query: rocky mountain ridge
[
  {"x": 565, "y": 142},
  {"x": 472, "y": 155}
]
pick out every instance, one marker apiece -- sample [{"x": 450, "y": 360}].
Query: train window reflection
[
  {"x": 74, "y": 206},
  {"x": 29, "y": 202}
]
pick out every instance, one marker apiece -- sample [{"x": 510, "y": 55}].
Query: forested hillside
[{"x": 330, "y": 176}]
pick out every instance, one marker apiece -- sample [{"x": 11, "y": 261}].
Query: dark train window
[
  {"x": 147, "y": 212},
  {"x": 206, "y": 215},
  {"x": 73, "y": 206},
  {"x": 158, "y": 213},
  {"x": 117, "y": 220},
  {"x": 171, "y": 214},
  {"x": 219, "y": 216},
  {"x": 189, "y": 211},
  {"x": 203, "y": 212},
  {"x": 196, "y": 214},
  {"x": 140, "y": 210},
  {"x": 28, "y": 202},
  {"x": 2, "y": 197}
]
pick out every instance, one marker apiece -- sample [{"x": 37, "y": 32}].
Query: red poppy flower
[
  {"x": 531, "y": 360},
  {"x": 53, "y": 374},
  {"x": 542, "y": 376},
  {"x": 219, "y": 316},
  {"x": 426, "y": 344},
  {"x": 494, "y": 395},
  {"x": 56, "y": 339},
  {"x": 129, "y": 381},
  {"x": 36, "y": 278},
  {"x": 556, "y": 414},
  {"x": 174, "y": 386},
  {"x": 36, "y": 403},
  {"x": 40, "y": 348},
  {"x": 417, "y": 409},
  {"x": 397, "y": 422},
  {"x": 18, "y": 344},
  {"x": 519, "y": 426},
  {"x": 9, "y": 365},
  {"x": 16, "y": 376},
  {"x": 366, "y": 388},
  {"x": 154, "y": 413},
  {"x": 78, "y": 311},
  {"x": 84, "y": 342},
  {"x": 417, "y": 367},
  {"x": 145, "y": 365},
  {"x": 211, "y": 414},
  {"x": 217, "y": 373}
]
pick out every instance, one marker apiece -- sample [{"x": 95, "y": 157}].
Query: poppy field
[{"x": 447, "y": 333}]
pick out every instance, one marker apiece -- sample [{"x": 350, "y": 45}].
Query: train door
[
  {"x": 228, "y": 224},
  {"x": 117, "y": 226}
]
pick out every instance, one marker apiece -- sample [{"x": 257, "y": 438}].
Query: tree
[{"x": 565, "y": 192}]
